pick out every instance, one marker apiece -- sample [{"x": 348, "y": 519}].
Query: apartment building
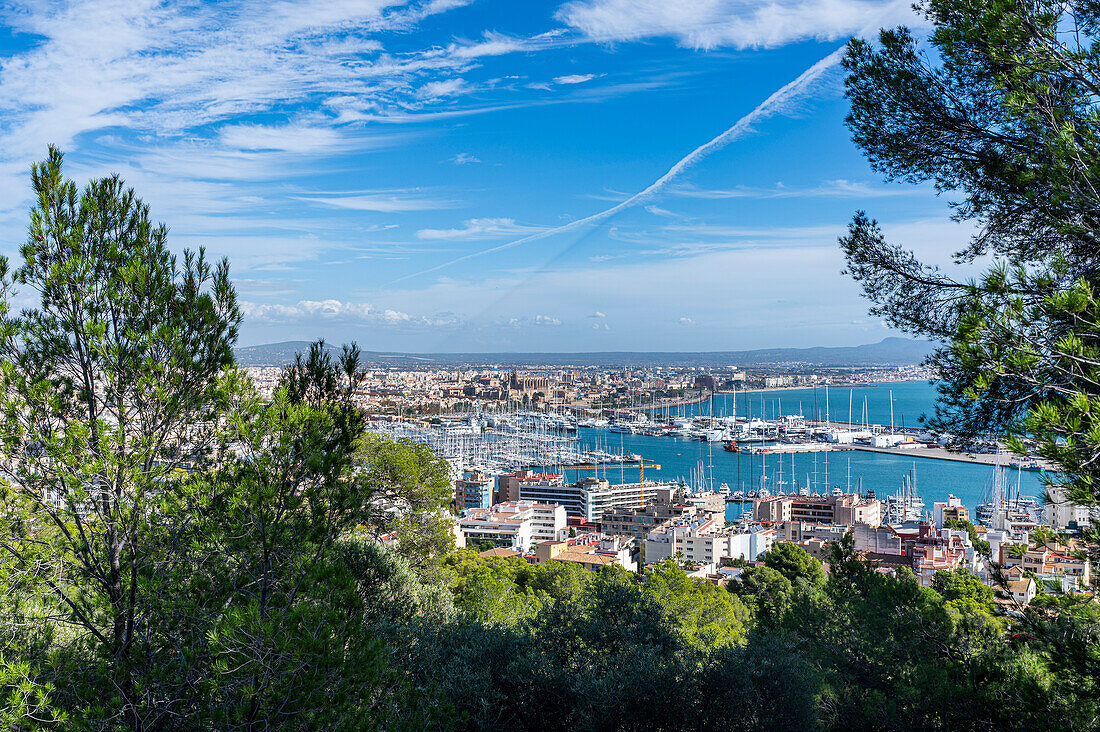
[
  {"x": 843, "y": 509},
  {"x": 671, "y": 503},
  {"x": 509, "y": 484},
  {"x": 950, "y": 509},
  {"x": 706, "y": 541},
  {"x": 474, "y": 491},
  {"x": 515, "y": 524},
  {"x": 590, "y": 497},
  {"x": 592, "y": 554}
]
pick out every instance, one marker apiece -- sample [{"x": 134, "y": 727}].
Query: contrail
[{"x": 772, "y": 105}]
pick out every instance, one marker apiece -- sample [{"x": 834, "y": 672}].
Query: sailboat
[
  {"x": 905, "y": 505},
  {"x": 1001, "y": 506}
]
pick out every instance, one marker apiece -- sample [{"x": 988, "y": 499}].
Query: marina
[{"x": 704, "y": 447}]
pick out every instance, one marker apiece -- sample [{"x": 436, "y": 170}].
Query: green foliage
[
  {"x": 706, "y": 616},
  {"x": 1001, "y": 110},
  {"x": 768, "y": 593},
  {"x": 966, "y": 598},
  {"x": 792, "y": 561},
  {"x": 390, "y": 589},
  {"x": 408, "y": 474},
  {"x": 766, "y": 684},
  {"x": 109, "y": 388},
  {"x": 603, "y": 649},
  {"x": 172, "y": 546}
]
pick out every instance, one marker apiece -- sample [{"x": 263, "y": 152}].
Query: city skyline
[{"x": 463, "y": 176}]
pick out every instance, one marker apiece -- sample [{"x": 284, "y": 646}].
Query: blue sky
[{"x": 433, "y": 175}]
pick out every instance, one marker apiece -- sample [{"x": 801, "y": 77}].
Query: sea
[{"x": 706, "y": 464}]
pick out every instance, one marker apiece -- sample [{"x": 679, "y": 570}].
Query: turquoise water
[
  {"x": 911, "y": 400},
  {"x": 883, "y": 473}
]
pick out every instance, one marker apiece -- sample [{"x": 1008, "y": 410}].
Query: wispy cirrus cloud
[
  {"x": 293, "y": 138},
  {"x": 380, "y": 201},
  {"x": 706, "y": 24},
  {"x": 465, "y": 159},
  {"x": 574, "y": 78},
  {"x": 827, "y": 189},
  {"x": 473, "y": 229}
]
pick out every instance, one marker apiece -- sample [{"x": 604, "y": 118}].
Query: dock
[
  {"x": 941, "y": 453},
  {"x": 793, "y": 447},
  {"x": 603, "y": 466}
]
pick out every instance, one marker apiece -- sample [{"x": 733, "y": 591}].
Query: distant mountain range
[{"x": 887, "y": 352}]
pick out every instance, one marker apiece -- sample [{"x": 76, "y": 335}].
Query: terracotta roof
[
  {"x": 499, "y": 552},
  {"x": 585, "y": 558},
  {"x": 1020, "y": 585}
]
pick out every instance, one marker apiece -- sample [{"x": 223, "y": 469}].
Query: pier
[
  {"x": 793, "y": 447},
  {"x": 941, "y": 453},
  {"x": 603, "y": 466}
]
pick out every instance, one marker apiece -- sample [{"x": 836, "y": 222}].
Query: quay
[
  {"x": 792, "y": 447},
  {"x": 600, "y": 466},
  {"x": 940, "y": 453}
]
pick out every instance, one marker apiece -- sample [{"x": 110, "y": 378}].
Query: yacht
[{"x": 905, "y": 505}]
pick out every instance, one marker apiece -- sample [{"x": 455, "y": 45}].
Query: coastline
[{"x": 858, "y": 385}]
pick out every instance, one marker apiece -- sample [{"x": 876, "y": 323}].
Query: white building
[
  {"x": 1060, "y": 513},
  {"x": 951, "y": 508},
  {"x": 591, "y": 497},
  {"x": 706, "y": 541},
  {"x": 516, "y": 524},
  {"x": 889, "y": 440}
]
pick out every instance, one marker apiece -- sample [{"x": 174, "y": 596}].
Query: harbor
[{"x": 707, "y": 445}]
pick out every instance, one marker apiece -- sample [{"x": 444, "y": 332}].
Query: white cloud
[
  {"x": 172, "y": 72},
  {"x": 495, "y": 44},
  {"x": 294, "y": 138},
  {"x": 658, "y": 211},
  {"x": 442, "y": 88},
  {"x": 465, "y": 159},
  {"x": 686, "y": 321},
  {"x": 527, "y": 321},
  {"x": 474, "y": 229},
  {"x": 574, "y": 78},
  {"x": 331, "y": 310},
  {"x": 380, "y": 201},
  {"x": 598, "y": 314},
  {"x": 706, "y": 24},
  {"x": 839, "y": 188}
]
